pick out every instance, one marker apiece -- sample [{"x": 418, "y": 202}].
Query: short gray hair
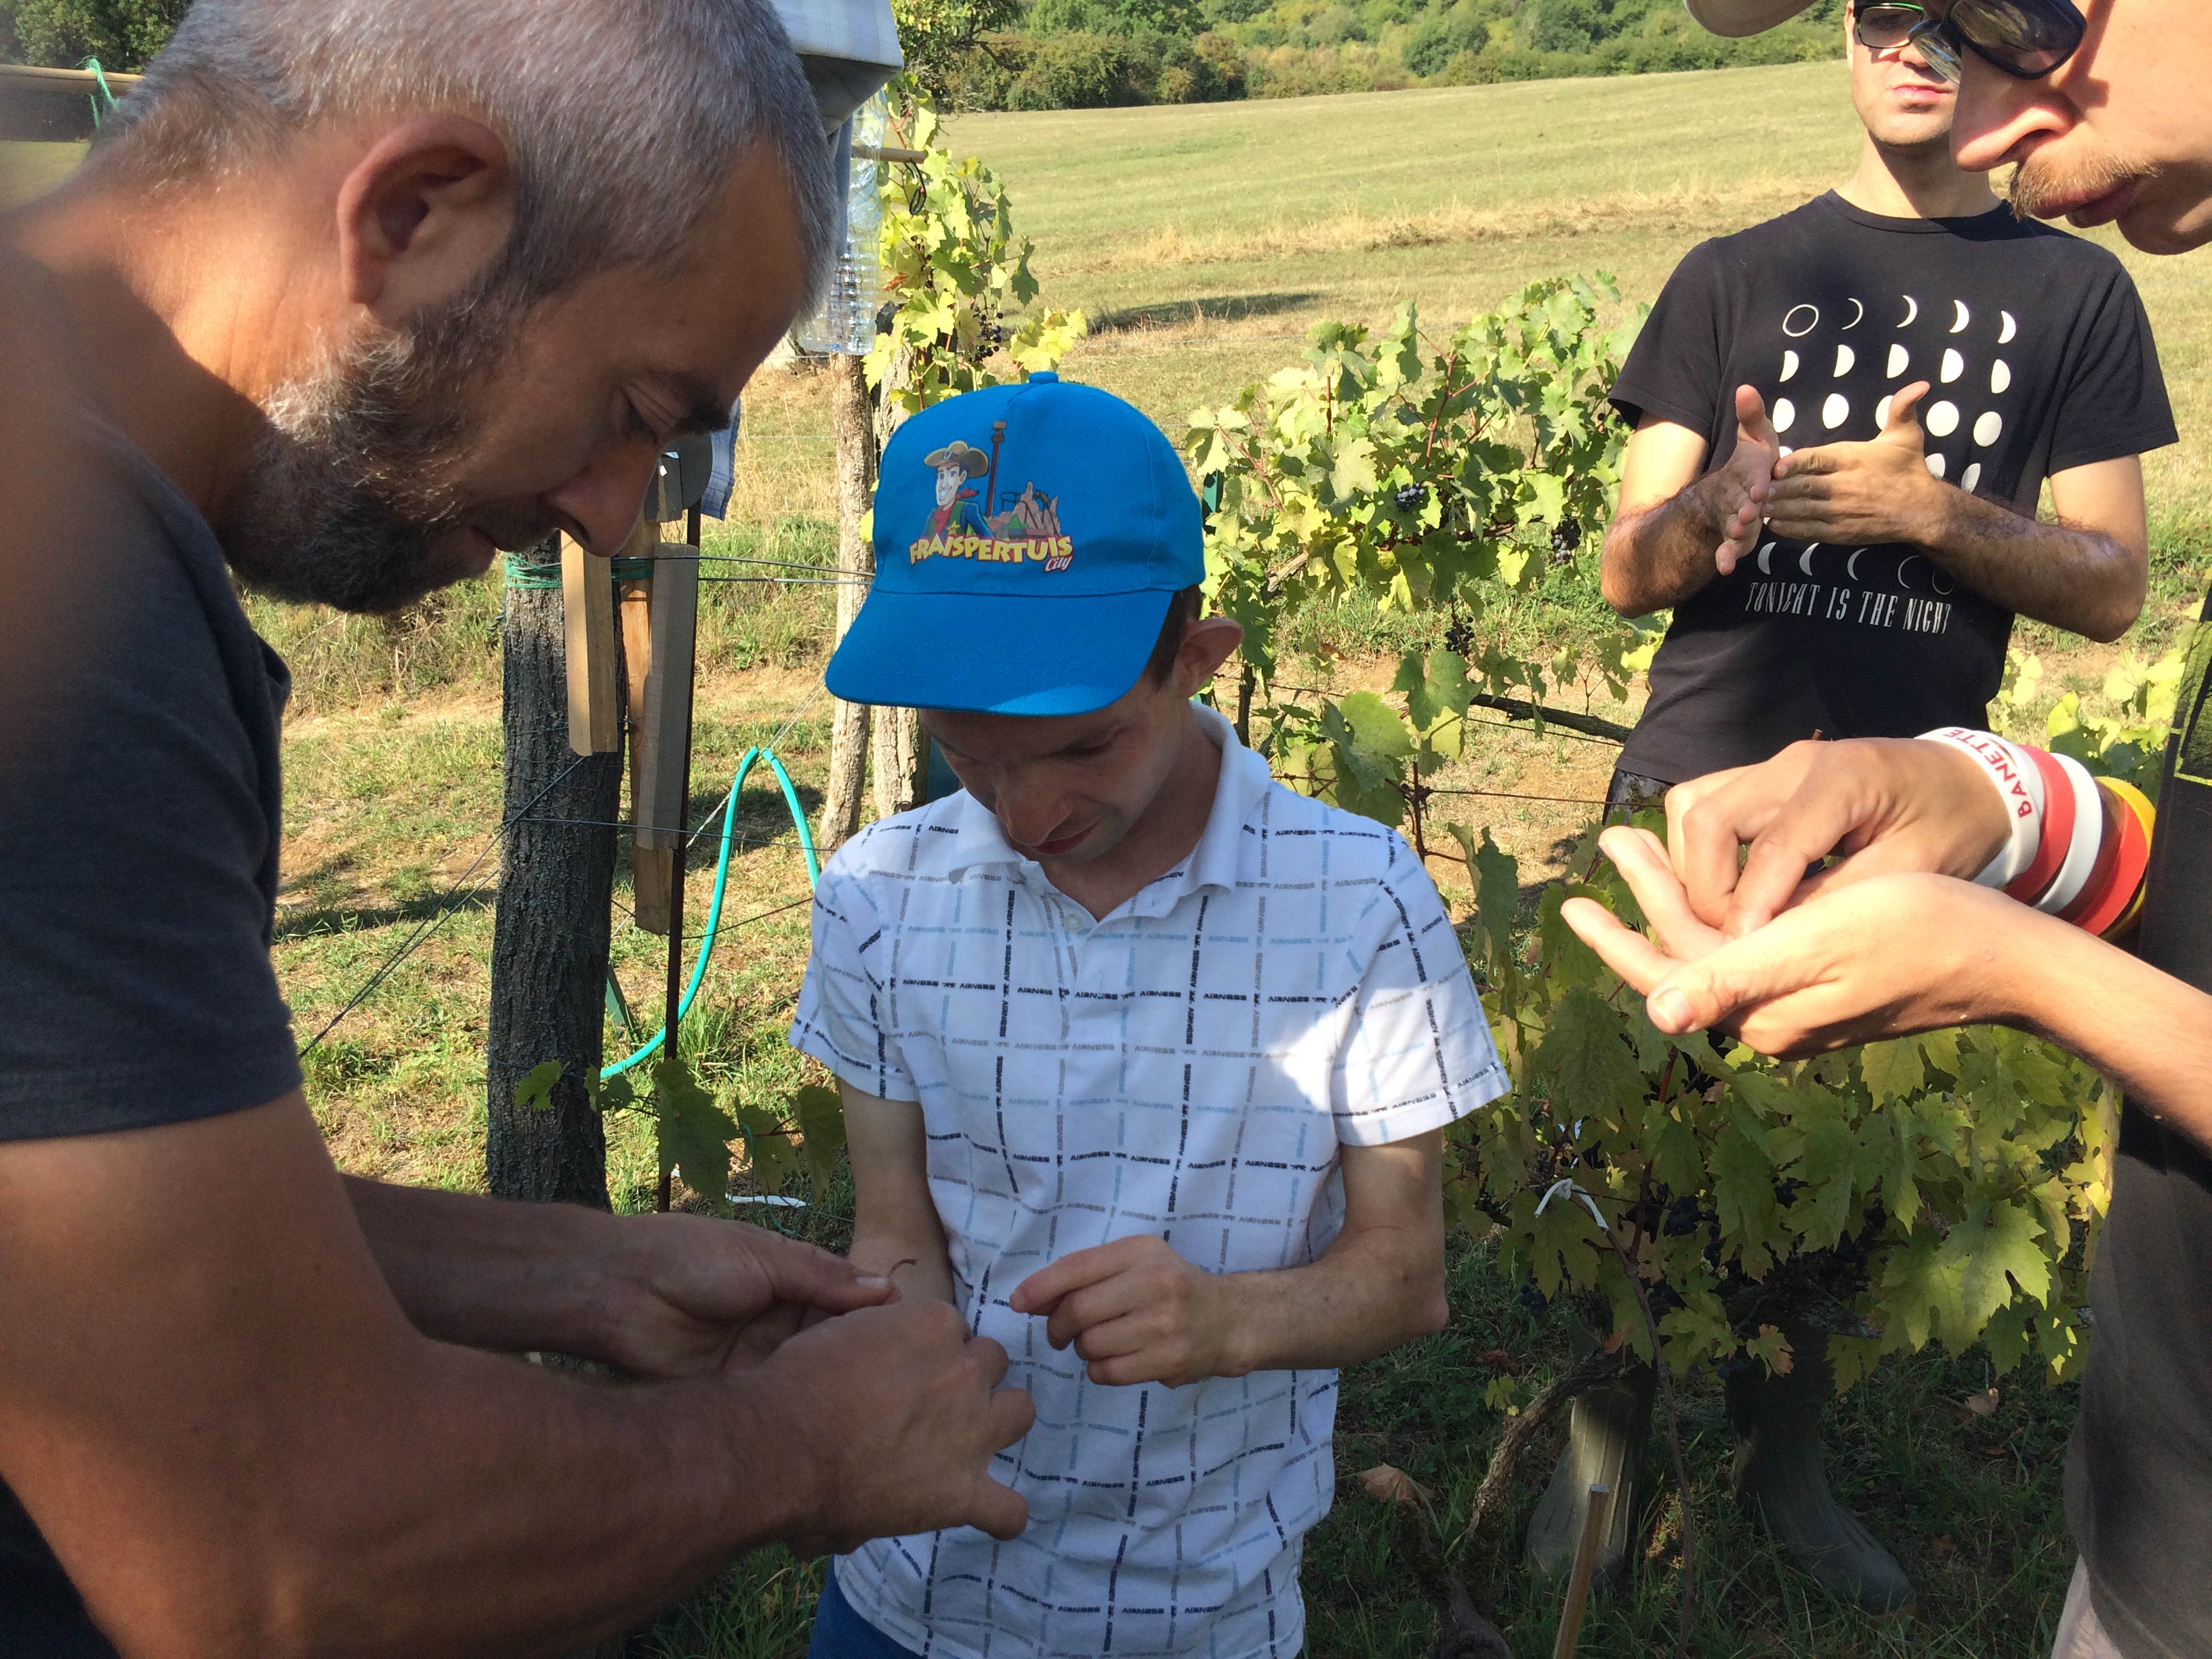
[{"x": 623, "y": 118}]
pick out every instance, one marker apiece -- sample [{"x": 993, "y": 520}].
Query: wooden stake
[
  {"x": 672, "y": 1015},
  {"x": 587, "y": 619},
  {"x": 667, "y": 728},
  {"x": 1578, "y": 1582},
  {"x": 852, "y": 419},
  {"x": 648, "y": 877}
]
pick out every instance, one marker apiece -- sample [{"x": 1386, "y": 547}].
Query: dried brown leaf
[{"x": 1394, "y": 1486}]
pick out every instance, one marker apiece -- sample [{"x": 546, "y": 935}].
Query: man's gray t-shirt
[{"x": 140, "y": 802}]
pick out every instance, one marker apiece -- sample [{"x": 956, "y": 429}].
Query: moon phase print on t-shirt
[{"x": 1840, "y": 362}]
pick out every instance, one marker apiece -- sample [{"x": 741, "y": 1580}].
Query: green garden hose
[{"x": 721, "y": 883}]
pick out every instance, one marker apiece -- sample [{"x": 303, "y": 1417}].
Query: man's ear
[
  {"x": 421, "y": 214},
  {"x": 1207, "y": 644}
]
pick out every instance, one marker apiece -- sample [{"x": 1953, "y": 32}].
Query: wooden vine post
[
  {"x": 551, "y": 920},
  {"x": 852, "y": 422},
  {"x": 898, "y": 747}
]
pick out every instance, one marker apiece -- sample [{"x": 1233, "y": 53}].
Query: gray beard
[{"x": 341, "y": 505}]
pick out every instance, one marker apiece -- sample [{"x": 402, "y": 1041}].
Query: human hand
[
  {"x": 1889, "y": 803},
  {"x": 900, "y": 1411},
  {"x": 1137, "y": 1312},
  {"x": 1735, "y": 492},
  {"x": 688, "y": 1294},
  {"x": 1885, "y": 957},
  {"x": 1880, "y": 491}
]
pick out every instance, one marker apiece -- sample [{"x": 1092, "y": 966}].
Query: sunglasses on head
[{"x": 2025, "y": 38}]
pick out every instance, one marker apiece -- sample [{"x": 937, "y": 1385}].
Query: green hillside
[{"x": 1063, "y": 54}]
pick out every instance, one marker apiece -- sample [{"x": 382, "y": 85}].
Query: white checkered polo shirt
[{"x": 1186, "y": 1068}]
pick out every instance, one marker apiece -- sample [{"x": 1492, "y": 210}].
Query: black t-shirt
[
  {"x": 139, "y": 809},
  {"x": 2039, "y": 359},
  {"x": 2139, "y": 1472}
]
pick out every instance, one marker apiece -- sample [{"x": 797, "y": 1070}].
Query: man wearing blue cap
[{"x": 1144, "y": 1056}]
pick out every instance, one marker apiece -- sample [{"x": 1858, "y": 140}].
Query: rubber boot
[
  {"x": 1778, "y": 1472},
  {"x": 1605, "y": 1448}
]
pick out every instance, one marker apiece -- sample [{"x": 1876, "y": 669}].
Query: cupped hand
[
  {"x": 900, "y": 1410},
  {"x": 1877, "y": 491},
  {"x": 1136, "y": 1312},
  {"x": 1890, "y": 804},
  {"x": 1885, "y": 956},
  {"x": 689, "y": 1294},
  {"x": 1735, "y": 492}
]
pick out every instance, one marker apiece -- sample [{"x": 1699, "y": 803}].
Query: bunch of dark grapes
[
  {"x": 1459, "y": 638},
  {"x": 1566, "y": 537},
  {"x": 1411, "y": 497}
]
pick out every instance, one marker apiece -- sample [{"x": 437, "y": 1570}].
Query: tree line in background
[
  {"x": 1090, "y": 54},
  {"x": 1083, "y": 54}
]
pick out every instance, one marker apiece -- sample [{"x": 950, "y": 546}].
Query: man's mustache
[{"x": 2041, "y": 187}]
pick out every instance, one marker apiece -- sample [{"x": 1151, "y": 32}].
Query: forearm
[
  {"x": 236, "y": 1442},
  {"x": 2146, "y": 1030},
  {"x": 488, "y": 1274},
  {"x": 2080, "y": 580},
  {"x": 1657, "y": 556},
  {"x": 509, "y": 1509},
  {"x": 913, "y": 1258},
  {"x": 1370, "y": 1291}
]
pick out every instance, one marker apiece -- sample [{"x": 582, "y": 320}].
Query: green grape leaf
[
  {"x": 1671, "y": 1143},
  {"x": 1920, "y": 1293},
  {"x": 1852, "y": 1358},
  {"x": 535, "y": 1092},
  {"x": 1595, "y": 1073},
  {"x": 1566, "y": 960},
  {"x": 1891, "y": 1070},
  {"x": 694, "y": 1133},
  {"x": 1824, "y": 1207},
  {"x": 1370, "y": 745},
  {"x": 1743, "y": 1194},
  {"x": 1995, "y": 1246},
  {"x": 1562, "y": 1244},
  {"x": 820, "y": 1113}
]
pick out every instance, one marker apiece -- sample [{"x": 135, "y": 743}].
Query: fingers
[
  {"x": 1000, "y": 1510},
  {"x": 1708, "y": 821},
  {"x": 1622, "y": 949},
  {"x": 1752, "y": 425},
  {"x": 1045, "y": 1289},
  {"x": 806, "y": 1274},
  {"x": 1848, "y": 799},
  {"x": 1642, "y": 862},
  {"x": 1904, "y": 422}
]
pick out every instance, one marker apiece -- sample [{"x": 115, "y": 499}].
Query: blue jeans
[{"x": 842, "y": 1633}]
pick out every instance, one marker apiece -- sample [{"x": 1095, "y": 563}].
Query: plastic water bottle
[{"x": 845, "y": 321}]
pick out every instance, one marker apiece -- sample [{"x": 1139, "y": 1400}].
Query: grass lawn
[{"x": 1203, "y": 242}]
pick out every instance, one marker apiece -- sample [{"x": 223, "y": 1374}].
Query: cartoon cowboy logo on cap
[{"x": 957, "y": 513}]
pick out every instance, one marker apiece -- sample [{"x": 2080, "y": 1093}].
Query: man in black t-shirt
[
  {"x": 2103, "y": 109},
  {"x": 1931, "y": 361},
  {"x": 1928, "y": 361}
]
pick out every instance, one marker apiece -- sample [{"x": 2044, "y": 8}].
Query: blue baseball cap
[{"x": 1027, "y": 540}]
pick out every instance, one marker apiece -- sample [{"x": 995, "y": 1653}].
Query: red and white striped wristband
[
  {"x": 2080, "y": 845},
  {"x": 2020, "y": 785}
]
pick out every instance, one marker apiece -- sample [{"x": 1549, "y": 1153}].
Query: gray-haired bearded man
[{"x": 347, "y": 298}]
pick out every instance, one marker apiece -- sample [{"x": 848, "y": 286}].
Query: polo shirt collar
[{"x": 1213, "y": 863}]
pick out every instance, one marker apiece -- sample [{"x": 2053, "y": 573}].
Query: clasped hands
[
  {"x": 1873, "y": 492},
  {"x": 1890, "y": 939}
]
